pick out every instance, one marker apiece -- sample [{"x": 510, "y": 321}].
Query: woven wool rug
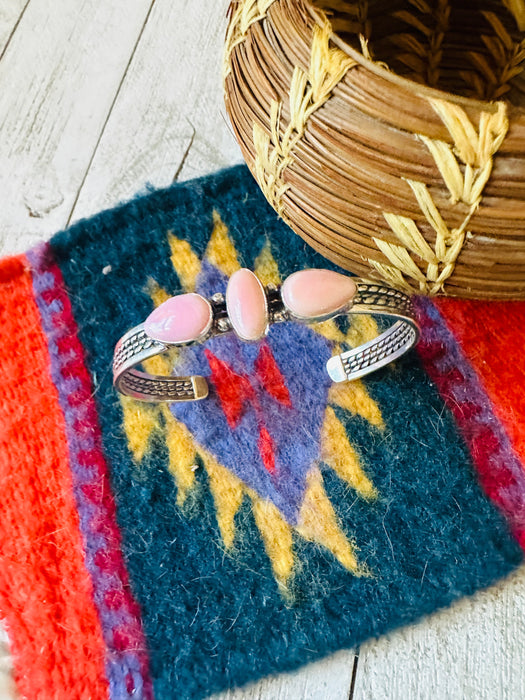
[{"x": 174, "y": 551}]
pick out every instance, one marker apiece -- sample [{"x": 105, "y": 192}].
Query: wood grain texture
[
  {"x": 168, "y": 120},
  {"x": 59, "y": 76},
  {"x": 98, "y": 99},
  {"x": 10, "y": 13},
  {"x": 472, "y": 651},
  {"x": 7, "y": 686},
  {"x": 329, "y": 679}
]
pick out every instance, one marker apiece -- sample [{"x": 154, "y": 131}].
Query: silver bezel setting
[
  {"x": 266, "y": 313},
  {"x": 377, "y": 299}
]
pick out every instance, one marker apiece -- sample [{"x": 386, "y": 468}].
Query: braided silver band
[
  {"x": 371, "y": 298},
  {"x": 377, "y": 300}
]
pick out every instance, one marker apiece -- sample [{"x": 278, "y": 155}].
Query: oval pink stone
[
  {"x": 246, "y": 304},
  {"x": 311, "y": 294},
  {"x": 180, "y": 319}
]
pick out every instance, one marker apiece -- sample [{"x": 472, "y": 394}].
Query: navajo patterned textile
[{"x": 172, "y": 551}]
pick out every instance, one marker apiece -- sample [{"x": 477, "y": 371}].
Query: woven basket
[{"x": 390, "y": 135}]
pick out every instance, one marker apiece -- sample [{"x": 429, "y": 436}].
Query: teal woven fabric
[{"x": 281, "y": 519}]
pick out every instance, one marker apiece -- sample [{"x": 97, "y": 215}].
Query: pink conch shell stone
[
  {"x": 311, "y": 294},
  {"x": 246, "y": 304},
  {"x": 180, "y": 319}
]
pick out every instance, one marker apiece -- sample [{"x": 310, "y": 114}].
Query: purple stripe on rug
[
  {"x": 499, "y": 468},
  {"x": 127, "y": 663}
]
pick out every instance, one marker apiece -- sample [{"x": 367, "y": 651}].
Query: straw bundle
[{"x": 390, "y": 135}]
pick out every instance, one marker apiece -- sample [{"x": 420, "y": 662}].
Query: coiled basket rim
[{"x": 412, "y": 85}]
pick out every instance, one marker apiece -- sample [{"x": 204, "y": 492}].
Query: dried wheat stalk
[{"x": 425, "y": 188}]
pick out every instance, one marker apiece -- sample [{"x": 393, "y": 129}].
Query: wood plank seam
[
  {"x": 354, "y": 675},
  {"x": 13, "y": 30},
  {"x": 108, "y": 115}
]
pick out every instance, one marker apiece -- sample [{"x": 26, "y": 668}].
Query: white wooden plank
[
  {"x": 471, "y": 651},
  {"x": 171, "y": 101},
  {"x": 329, "y": 679},
  {"x": 58, "y": 78},
  {"x": 10, "y": 13},
  {"x": 7, "y": 686}
]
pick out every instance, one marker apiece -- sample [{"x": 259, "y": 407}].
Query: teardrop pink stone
[
  {"x": 246, "y": 304},
  {"x": 311, "y": 294},
  {"x": 180, "y": 319}
]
